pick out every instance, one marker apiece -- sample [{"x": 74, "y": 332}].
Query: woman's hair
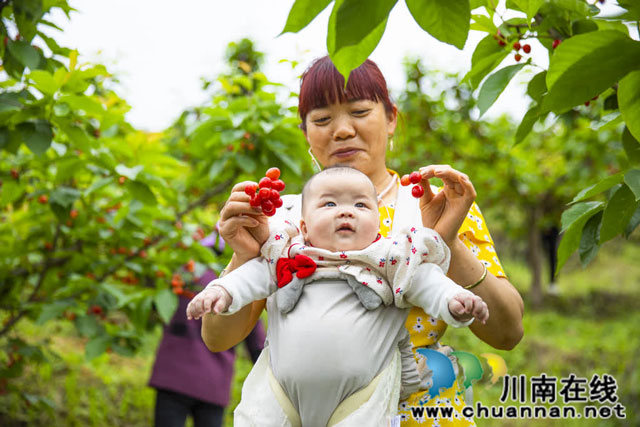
[{"x": 322, "y": 85}]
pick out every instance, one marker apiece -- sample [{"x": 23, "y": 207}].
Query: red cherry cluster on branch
[
  {"x": 413, "y": 178},
  {"x": 267, "y": 193}
]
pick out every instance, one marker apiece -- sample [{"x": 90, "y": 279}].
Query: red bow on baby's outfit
[{"x": 301, "y": 265}]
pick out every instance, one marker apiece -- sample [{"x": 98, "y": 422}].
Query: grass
[{"x": 590, "y": 328}]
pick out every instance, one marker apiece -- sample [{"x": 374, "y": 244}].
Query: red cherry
[
  {"x": 250, "y": 189},
  {"x": 122, "y": 180},
  {"x": 417, "y": 191},
  {"x": 255, "y": 201},
  {"x": 502, "y": 43},
  {"x": 526, "y": 48},
  {"x": 268, "y": 206},
  {"x": 15, "y": 174},
  {"x": 265, "y": 183},
  {"x": 415, "y": 177},
  {"x": 518, "y": 57},
  {"x": 273, "y": 173},
  {"x": 586, "y": 104},
  {"x": 269, "y": 213},
  {"x": 277, "y": 202},
  {"x": 278, "y": 184},
  {"x": 555, "y": 43},
  {"x": 274, "y": 195},
  {"x": 516, "y": 46},
  {"x": 405, "y": 180},
  {"x": 264, "y": 193},
  {"x": 73, "y": 214},
  {"x": 43, "y": 199}
]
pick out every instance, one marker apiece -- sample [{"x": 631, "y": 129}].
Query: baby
[{"x": 341, "y": 295}]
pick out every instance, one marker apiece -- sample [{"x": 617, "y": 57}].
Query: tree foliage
[
  {"x": 594, "y": 63},
  {"x": 99, "y": 221}
]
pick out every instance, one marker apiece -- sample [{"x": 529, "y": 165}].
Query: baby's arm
[
  {"x": 248, "y": 283},
  {"x": 436, "y": 294}
]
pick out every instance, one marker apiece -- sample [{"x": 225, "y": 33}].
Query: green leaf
[
  {"x": 573, "y": 221},
  {"x": 355, "y": 19},
  {"x": 246, "y": 163},
  {"x": 582, "y": 26},
  {"x": 629, "y": 102},
  {"x": 84, "y": 103},
  {"x": 9, "y": 193},
  {"x": 588, "y": 248},
  {"x": 5, "y": 136},
  {"x": 617, "y": 214},
  {"x": 633, "y": 223},
  {"x": 141, "y": 191},
  {"x": 217, "y": 167},
  {"x": 527, "y": 123},
  {"x": 98, "y": 184},
  {"x": 37, "y": 135},
  {"x": 27, "y": 13},
  {"x": 446, "y": 20},
  {"x": 140, "y": 315},
  {"x": 26, "y": 54},
  {"x": 484, "y": 23},
  {"x": 598, "y": 188},
  {"x": 166, "y": 303},
  {"x": 632, "y": 179},
  {"x": 631, "y": 146},
  {"x": 530, "y": 7},
  {"x": 351, "y": 57},
  {"x": 44, "y": 82},
  {"x": 131, "y": 173},
  {"x": 537, "y": 86},
  {"x": 494, "y": 85},
  {"x": 585, "y": 65},
  {"x": 68, "y": 167},
  {"x": 64, "y": 196},
  {"x": 88, "y": 326},
  {"x": 574, "y": 213},
  {"x": 487, "y": 56},
  {"x": 53, "y": 310},
  {"x": 96, "y": 346},
  {"x": 302, "y": 13}
]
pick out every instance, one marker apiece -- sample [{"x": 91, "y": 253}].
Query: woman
[{"x": 353, "y": 127}]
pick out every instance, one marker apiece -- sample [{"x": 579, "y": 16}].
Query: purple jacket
[{"x": 185, "y": 365}]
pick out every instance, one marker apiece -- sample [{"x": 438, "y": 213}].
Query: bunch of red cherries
[
  {"x": 267, "y": 193},
  {"x": 413, "y": 178}
]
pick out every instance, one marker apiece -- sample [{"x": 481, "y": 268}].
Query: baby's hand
[
  {"x": 464, "y": 306},
  {"x": 214, "y": 298}
]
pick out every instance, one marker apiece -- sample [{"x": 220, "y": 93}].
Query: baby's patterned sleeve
[
  {"x": 475, "y": 235},
  {"x": 407, "y": 250}
]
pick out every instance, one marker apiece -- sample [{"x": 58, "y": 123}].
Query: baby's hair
[{"x": 335, "y": 170}]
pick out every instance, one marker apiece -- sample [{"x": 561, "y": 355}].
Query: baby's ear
[{"x": 303, "y": 229}]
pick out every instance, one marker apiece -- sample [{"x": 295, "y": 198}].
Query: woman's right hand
[{"x": 242, "y": 226}]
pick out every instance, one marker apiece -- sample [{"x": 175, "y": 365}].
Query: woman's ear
[{"x": 393, "y": 119}]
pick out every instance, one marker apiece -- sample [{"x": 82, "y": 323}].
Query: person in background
[{"x": 189, "y": 379}]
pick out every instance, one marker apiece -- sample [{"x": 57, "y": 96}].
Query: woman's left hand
[{"x": 445, "y": 211}]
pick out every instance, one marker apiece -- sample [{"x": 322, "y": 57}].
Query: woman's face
[{"x": 353, "y": 133}]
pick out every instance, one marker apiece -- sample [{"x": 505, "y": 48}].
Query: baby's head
[{"x": 339, "y": 210}]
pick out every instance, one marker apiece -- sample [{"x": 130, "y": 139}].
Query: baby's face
[{"x": 341, "y": 213}]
